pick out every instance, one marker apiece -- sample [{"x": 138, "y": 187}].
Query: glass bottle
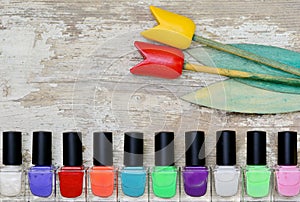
[
  {"x": 12, "y": 175},
  {"x": 287, "y": 173},
  {"x": 71, "y": 175},
  {"x": 195, "y": 175},
  {"x": 164, "y": 175},
  {"x": 41, "y": 176},
  {"x": 133, "y": 176},
  {"x": 257, "y": 175},
  {"x": 226, "y": 175},
  {"x": 102, "y": 175}
]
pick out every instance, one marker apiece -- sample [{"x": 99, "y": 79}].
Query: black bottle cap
[
  {"x": 287, "y": 148},
  {"x": 164, "y": 149},
  {"x": 103, "y": 152},
  {"x": 42, "y": 148},
  {"x": 72, "y": 149},
  {"x": 194, "y": 148},
  {"x": 256, "y": 148},
  {"x": 226, "y": 149},
  {"x": 133, "y": 149},
  {"x": 12, "y": 148}
]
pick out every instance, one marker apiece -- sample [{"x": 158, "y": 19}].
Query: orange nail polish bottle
[{"x": 102, "y": 176}]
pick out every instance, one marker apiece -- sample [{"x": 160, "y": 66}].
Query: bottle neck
[
  {"x": 11, "y": 168},
  {"x": 256, "y": 166}
]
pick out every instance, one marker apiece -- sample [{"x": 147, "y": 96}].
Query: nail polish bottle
[
  {"x": 164, "y": 176},
  {"x": 287, "y": 173},
  {"x": 71, "y": 175},
  {"x": 133, "y": 176},
  {"x": 41, "y": 176},
  {"x": 102, "y": 176},
  {"x": 257, "y": 176},
  {"x": 12, "y": 175},
  {"x": 195, "y": 175},
  {"x": 226, "y": 175}
]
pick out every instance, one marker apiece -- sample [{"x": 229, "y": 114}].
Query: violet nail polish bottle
[
  {"x": 195, "y": 175},
  {"x": 41, "y": 176}
]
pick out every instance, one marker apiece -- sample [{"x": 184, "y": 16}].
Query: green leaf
[
  {"x": 231, "y": 95},
  {"x": 211, "y": 57}
]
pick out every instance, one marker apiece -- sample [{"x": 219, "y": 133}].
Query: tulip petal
[
  {"x": 159, "y": 61},
  {"x": 145, "y": 47},
  {"x": 160, "y": 71},
  {"x": 172, "y": 29}
]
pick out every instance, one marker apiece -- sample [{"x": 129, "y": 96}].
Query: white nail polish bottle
[
  {"x": 12, "y": 173},
  {"x": 226, "y": 175}
]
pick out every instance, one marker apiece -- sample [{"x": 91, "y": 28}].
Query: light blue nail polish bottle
[{"x": 133, "y": 176}]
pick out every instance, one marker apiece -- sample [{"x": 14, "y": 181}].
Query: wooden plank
[{"x": 64, "y": 65}]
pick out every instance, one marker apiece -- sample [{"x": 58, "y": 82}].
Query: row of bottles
[{"x": 164, "y": 182}]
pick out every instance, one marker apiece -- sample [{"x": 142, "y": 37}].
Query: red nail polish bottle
[{"x": 72, "y": 174}]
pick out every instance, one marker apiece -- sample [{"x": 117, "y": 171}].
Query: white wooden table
[{"x": 64, "y": 65}]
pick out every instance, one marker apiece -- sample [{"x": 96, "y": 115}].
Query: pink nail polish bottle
[{"x": 287, "y": 173}]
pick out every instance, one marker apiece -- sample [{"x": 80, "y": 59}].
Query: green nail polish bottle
[
  {"x": 257, "y": 176},
  {"x": 164, "y": 174}
]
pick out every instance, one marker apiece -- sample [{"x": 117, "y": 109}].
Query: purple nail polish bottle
[
  {"x": 195, "y": 174},
  {"x": 41, "y": 176}
]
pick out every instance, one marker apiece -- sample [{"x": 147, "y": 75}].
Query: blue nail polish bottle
[
  {"x": 133, "y": 176},
  {"x": 41, "y": 176}
]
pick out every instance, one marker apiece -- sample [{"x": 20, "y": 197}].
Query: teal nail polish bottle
[
  {"x": 164, "y": 175},
  {"x": 257, "y": 176},
  {"x": 133, "y": 176}
]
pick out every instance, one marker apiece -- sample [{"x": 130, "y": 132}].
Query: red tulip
[
  {"x": 167, "y": 62},
  {"x": 159, "y": 61}
]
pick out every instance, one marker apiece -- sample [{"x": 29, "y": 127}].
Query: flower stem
[
  {"x": 241, "y": 74},
  {"x": 248, "y": 55}
]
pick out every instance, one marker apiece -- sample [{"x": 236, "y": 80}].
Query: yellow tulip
[{"x": 172, "y": 29}]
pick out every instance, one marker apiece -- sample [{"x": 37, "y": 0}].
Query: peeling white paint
[
  {"x": 245, "y": 30},
  {"x": 65, "y": 66}
]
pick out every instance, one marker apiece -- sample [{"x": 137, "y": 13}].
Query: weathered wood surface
[{"x": 64, "y": 65}]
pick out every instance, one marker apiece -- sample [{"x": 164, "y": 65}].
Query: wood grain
[{"x": 64, "y": 65}]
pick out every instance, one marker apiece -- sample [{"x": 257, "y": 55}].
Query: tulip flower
[
  {"x": 178, "y": 31},
  {"x": 160, "y": 61},
  {"x": 172, "y": 29},
  {"x": 168, "y": 62}
]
